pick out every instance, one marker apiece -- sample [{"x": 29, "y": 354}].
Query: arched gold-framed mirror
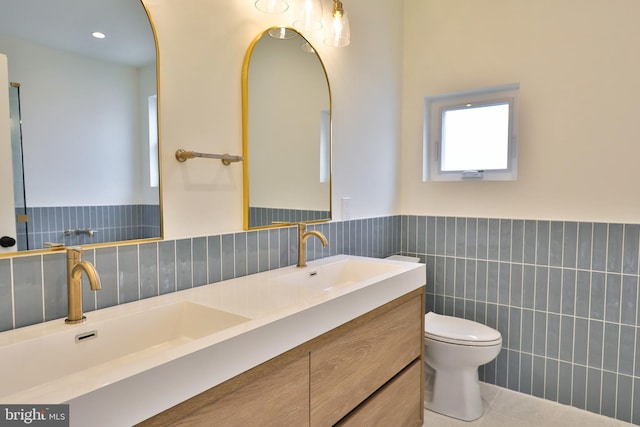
[
  {"x": 286, "y": 113},
  {"x": 88, "y": 122}
]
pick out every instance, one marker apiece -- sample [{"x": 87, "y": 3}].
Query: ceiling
[{"x": 68, "y": 24}]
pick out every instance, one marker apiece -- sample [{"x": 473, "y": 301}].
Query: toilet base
[{"x": 456, "y": 394}]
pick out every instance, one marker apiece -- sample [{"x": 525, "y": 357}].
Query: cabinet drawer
[
  {"x": 349, "y": 369},
  {"x": 399, "y": 403},
  {"x": 277, "y": 397}
]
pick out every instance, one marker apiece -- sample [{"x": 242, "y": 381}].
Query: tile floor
[{"x": 506, "y": 408}]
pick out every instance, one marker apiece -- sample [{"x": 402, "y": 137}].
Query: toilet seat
[{"x": 454, "y": 330}]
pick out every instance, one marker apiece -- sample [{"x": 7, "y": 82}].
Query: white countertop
[{"x": 281, "y": 317}]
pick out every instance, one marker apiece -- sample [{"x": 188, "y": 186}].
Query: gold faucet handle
[
  {"x": 74, "y": 254},
  {"x": 54, "y": 245}
]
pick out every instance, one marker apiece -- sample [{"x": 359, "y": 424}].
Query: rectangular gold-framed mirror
[{"x": 84, "y": 123}]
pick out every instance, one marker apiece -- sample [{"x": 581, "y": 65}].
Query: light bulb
[{"x": 338, "y": 31}]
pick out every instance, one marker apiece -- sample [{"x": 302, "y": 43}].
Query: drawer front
[
  {"x": 351, "y": 368},
  {"x": 277, "y": 398},
  {"x": 398, "y": 403}
]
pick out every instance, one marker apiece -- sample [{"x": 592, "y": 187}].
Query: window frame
[{"x": 434, "y": 108}]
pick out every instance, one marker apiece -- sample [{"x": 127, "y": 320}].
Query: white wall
[
  {"x": 577, "y": 63},
  {"x": 202, "y": 47},
  {"x": 79, "y": 125}
]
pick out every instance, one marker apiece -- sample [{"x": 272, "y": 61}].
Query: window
[
  {"x": 471, "y": 135},
  {"x": 325, "y": 143},
  {"x": 154, "y": 173}
]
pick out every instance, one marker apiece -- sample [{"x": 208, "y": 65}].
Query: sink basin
[
  {"x": 114, "y": 342},
  {"x": 339, "y": 274}
]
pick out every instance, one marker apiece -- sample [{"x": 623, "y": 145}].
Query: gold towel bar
[{"x": 184, "y": 155}]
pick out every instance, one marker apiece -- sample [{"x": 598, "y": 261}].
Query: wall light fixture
[{"x": 338, "y": 33}]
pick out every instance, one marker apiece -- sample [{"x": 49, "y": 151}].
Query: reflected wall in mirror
[
  {"x": 84, "y": 114},
  {"x": 287, "y": 131}
]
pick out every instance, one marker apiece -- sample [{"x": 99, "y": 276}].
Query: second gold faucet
[
  {"x": 75, "y": 267},
  {"x": 303, "y": 235}
]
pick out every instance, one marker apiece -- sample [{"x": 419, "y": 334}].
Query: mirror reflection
[
  {"x": 287, "y": 131},
  {"x": 83, "y": 118}
]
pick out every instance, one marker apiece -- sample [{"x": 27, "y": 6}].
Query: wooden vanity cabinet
[
  {"x": 275, "y": 394},
  {"x": 365, "y": 372},
  {"x": 394, "y": 405},
  {"x": 351, "y": 366}
]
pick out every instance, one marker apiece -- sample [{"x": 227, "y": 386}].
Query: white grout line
[
  {"x": 157, "y": 246},
  {"x": 13, "y": 294},
  {"x": 139, "y": 269},
  {"x": 44, "y": 305}
]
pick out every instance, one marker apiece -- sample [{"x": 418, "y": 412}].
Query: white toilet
[{"x": 454, "y": 349}]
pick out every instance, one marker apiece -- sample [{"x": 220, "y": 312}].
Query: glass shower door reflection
[{"x": 22, "y": 225}]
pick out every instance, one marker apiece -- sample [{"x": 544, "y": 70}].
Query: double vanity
[{"x": 339, "y": 340}]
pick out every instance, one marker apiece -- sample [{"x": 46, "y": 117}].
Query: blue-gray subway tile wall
[
  {"x": 106, "y": 262},
  {"x": 27, "y": 291},
  {"x": 260, "y": 216},
  {"x": 564, "y": 295},
  {"x": 6, "y": 299},
  {"x": 142, "y": 270},
  {"x": 110, "y": 223}
]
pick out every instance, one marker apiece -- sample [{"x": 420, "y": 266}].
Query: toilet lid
[{"x": 454, "y": 329}]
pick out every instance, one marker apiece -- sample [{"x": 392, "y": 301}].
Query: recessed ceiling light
[{"x": 98, "y": 35}]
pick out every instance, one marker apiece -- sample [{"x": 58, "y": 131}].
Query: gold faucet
[
  {"x": 75, "y": 267},
  {"x": 302, "y": 245}
]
